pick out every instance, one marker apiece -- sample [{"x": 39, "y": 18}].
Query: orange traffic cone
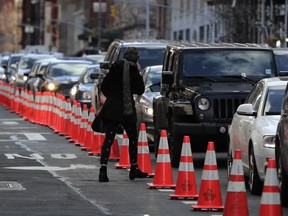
[
  {"x": 236, "y": 198},
  {"x": 89, "y": 132},
  {"x": 186, "y": 187},
  {"x": 143, "y": 156},
  {"x": 124, "y": 161},
  {"x": 163, "y": 177},
  {"x": 270, "y": 199},
  {"x": 114, "y": 152},
  {"x": 98, "y": 139},
  {"x": 83, "y": 127},
  {"x": 210, "y": 198}
]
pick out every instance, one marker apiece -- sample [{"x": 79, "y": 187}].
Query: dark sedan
[
  {"x": 81, "y": 91},
  {"x": 61, "y": 75}
]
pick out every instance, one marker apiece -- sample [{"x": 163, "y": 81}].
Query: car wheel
[
  {"x": 255, "y": 184},
  {"x": 229, "y": 159},
  {"x": 283, "y": 183},
  {"x": 175, "y": 146}
]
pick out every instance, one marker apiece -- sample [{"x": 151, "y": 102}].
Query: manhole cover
[{"x": 10, "y": 185}]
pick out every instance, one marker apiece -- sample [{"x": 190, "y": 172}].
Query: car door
[
  {"x": 246, "y": 123},
  {"x": 284, "y": 124}
]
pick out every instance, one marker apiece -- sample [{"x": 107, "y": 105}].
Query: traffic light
[{"x": 113, "y": 10}]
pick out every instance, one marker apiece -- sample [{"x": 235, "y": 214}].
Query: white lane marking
[
  {"x": 166, "y": 190},
  {"x": 9, "y": 119},
  {"x": 9, "y": 123},
  {"x": 54, "y": 168},
  {"x": 34, "y": 136},
  {"x": 9, "y": 133},
  {"x": 190, "y": 202}
]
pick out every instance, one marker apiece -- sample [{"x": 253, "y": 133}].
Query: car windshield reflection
[{"x": 63, "y": 69}]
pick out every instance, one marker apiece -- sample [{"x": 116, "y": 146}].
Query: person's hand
[{"x": 138, "y": 66}]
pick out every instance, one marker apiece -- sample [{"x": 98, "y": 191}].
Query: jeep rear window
[
  {"x": 219, "y": 63},
  {"x": 148, "y": 55}
]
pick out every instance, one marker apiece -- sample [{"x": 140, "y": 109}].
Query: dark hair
[{"x": 131, "y": 54}]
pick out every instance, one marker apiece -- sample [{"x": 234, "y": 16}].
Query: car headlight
[
  {"x": 51, "y": 86},
  {"x": 73, "y": 91},
  {"x": 269, "y": 141},
  {"x": 3, "y": 76},
  {"x": 86, "y": 95},
  {"x": 147, "y": 111},
  {"x": 13, "y": 78},
  {"x": 25, "y": 78},
  {"x": 203, "y": 104}
]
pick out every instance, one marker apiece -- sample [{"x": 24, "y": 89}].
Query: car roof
[
  {"x": 187, "y": 45},
  {"x": 141, "y": 43},
  {"x": 57, "y": 61},
  {"x": 275, "y": 81}
]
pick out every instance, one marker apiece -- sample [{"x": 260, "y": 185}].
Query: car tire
[
  {"x": 229, "y": 159},
  {"x": 283, "y": 183},
  {"x": 255, "y": 184}
]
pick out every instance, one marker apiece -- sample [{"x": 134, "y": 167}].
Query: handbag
[{"x": 98, "y": 123}]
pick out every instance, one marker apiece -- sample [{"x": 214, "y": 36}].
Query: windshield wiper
[
  {"x": 240, "y": 77},
  {"x": 202, "y": 77}
]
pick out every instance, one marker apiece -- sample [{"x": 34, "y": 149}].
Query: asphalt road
[{"x": 42, "y": 173}]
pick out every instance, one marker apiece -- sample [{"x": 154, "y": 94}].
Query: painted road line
[
  {"x": 34, "y": 136},
  {"x": 54, "y": 168}
]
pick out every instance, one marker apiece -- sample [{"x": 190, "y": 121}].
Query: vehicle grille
[{"x": 224, "y": 109}]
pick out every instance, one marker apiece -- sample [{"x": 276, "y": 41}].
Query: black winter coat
[{"x": 112, "y": 88}]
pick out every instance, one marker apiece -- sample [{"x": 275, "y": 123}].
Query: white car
[{"x": 253, "y": 130}]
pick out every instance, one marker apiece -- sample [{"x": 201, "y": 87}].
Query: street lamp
[{"x": 99, "y": 7}]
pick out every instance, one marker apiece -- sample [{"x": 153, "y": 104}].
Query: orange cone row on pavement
[
  {"x": 210, "y": 198},
  {"x": 186, "y": 187},
  {"x": 270, "y": 199},
  {"x": 83, "y": 127},
  {"x": 143, "y": 156},
  {"x": 236, "y": 198},
  {"x": 163, "y": 177},
  {"x": 89, "y": 132},
  {"x": 124, "y": 161}
]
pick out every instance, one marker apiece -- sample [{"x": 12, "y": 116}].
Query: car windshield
[
  {"x": 66, "y": 69},
  {"x": 87, "y": 78},
  {"x": 221, "y": 63},
  {"x": 148, "y": 55},
  {"x": 274, "y": 100},
  {"x": 282, "y": 63},
  {"x": 28, "y": 62},
  {"x": 153, "y": 82}
]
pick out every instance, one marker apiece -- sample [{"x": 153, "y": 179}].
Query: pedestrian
[{"x": 121, "y": 82}]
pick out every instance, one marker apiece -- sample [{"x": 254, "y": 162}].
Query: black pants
[{"x": 111, "y": 129}]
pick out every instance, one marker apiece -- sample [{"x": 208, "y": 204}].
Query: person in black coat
[{"x": 118, "y": 86}]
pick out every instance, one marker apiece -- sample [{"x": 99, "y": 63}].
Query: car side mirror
[
  {"x": 167, "y": 77},
  {"x": 246, "y": 109},
  {"x": 94, "y": 75},
  {"x": 105, "y": 65}
]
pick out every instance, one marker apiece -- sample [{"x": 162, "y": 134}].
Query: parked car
[
  {"x": 11, "y": 66},
  {"x": 253, "y": 130},
  {"x": 81, "y": 91},
  {"x": 144, "y": 103},
  {"x": 61, "y": 75},
  {"x": 151, "y": 52},
  {"x": 24, "y": 67},
  {"x": 281, "y": 58},
  {"x": 281, "y": 150}
]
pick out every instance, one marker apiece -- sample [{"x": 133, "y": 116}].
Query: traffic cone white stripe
[
  {"x": 210, "y": 175},
  {"x": 270, "y": 199},
  {"x": 271, "y": 181},
  {"x": 143, "y": 150},
  {"x": 186, "y": 166},
  {"x": 234, "y": 170},
  {"x": 236, "y": 187},
  {"x": 211, "y": 158},
  {"x": 164, "y": 158}
]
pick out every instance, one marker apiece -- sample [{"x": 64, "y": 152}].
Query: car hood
[
  {"x": 220, "y": 87},
  {"x": 85, "y": 87},
  {"x": 66, "y": 79},
  {"x": 268, "y": 124}
]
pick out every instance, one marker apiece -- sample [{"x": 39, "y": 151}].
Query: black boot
[
  {"x": 135, "y": 172},
  {"x": 103, "y": 174}
]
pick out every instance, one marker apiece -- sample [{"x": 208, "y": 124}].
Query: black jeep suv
[{"x": 202, "y": 86}]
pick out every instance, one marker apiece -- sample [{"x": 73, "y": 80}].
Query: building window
[
  {"x": 202, "y": 34},
  {"x": 208, "y": 33},
  {"x": 180, "y": 35},
  {"x": 175, "y": 35},
  {"x": 187, "y": 36}
]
